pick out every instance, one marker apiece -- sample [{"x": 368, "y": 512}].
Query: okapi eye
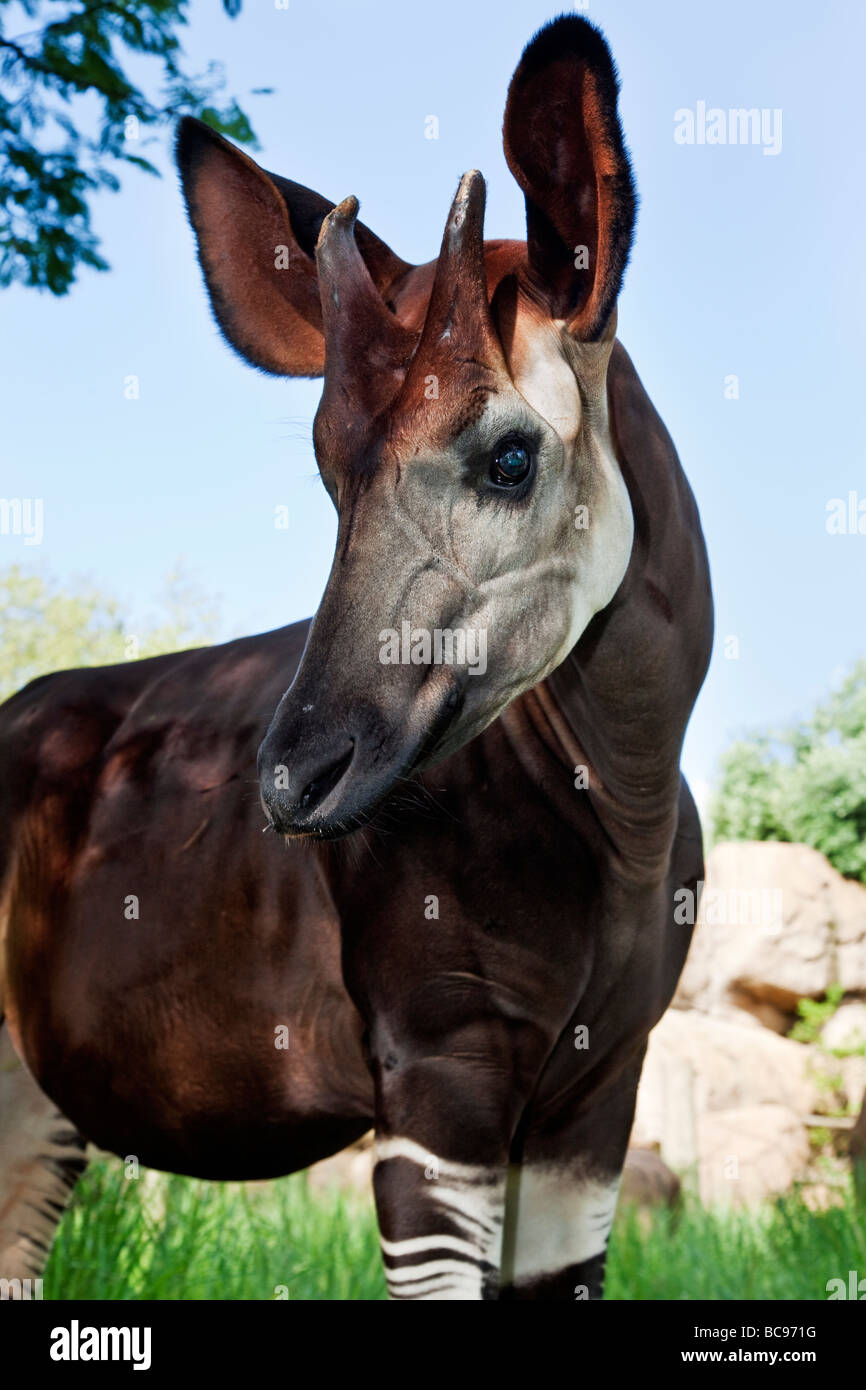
[{"x": 511, "y": 464}]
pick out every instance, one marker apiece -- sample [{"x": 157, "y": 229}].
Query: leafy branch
[{"x": 70, "y": 115}]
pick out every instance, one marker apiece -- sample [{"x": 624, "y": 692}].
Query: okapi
[{"x": 465, "y": 922}]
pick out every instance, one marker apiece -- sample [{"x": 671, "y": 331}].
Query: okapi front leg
[
  {"x": 444, "y": 1126},
  {"x": 562, "y": 1196},
  {"x": 562, "y": 1215},
  {"x": 440, "y": 1222}
]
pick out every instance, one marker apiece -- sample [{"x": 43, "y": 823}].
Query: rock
[
  {"x": 847, "y": 906},
  {"x": 853, "y": 1072},
  {"x": 732, "y": 1066},
  {"x": 750, "y": 1154},
  {"x": 762, "y": 1012},
  {"x": 846, "y": 1030},
  {"x": 777, "y": 924},
  {"x": 647, "y": 1181}
]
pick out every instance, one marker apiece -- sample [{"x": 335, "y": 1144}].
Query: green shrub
[
  {"x": 805, "y": 784},
  {"x": 814, "y": 1013}
]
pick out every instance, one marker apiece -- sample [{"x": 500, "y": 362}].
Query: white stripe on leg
[
  {"x": 470, "y": 1200},
  {"x": 561, "y": 1219}
]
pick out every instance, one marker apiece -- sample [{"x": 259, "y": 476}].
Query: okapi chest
[{"x": 460, "y": 926}]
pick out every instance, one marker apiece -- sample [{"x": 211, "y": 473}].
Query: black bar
[{"x": 255, "y": 1338}]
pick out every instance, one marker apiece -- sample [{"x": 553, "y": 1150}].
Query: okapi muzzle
[{"x": 360, "y": 714}]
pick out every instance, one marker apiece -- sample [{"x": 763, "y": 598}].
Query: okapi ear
[
  {"x": 256, "y": 234},
  {"x": 262, "y": 285},
  {"x": 564, "y": 145}
]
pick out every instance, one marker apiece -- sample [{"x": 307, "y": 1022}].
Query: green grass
[
  {"x": 781, "y": 1251},
  {"x": 178, "y": 1238}
]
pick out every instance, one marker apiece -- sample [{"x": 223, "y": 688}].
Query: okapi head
[{"x": 462, "y": 432}]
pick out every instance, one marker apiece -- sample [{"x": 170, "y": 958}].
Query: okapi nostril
[{"x": 316, "y": 790}]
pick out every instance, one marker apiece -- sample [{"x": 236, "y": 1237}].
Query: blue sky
[{"x": 744, "y": 263}]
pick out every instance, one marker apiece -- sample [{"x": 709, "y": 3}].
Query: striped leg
[
  {"x": 41, "y": 1158},
  {"x": 444, "y": 1123},
  {"x": 562, "y": 1196},
  {"x": 440, "y": 1223},
  {"x": 453, "y": 1064},
  {"x": 561, "y": 1222}
]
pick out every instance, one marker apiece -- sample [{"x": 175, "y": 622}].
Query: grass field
[{"x": 177, "y": 1238}]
